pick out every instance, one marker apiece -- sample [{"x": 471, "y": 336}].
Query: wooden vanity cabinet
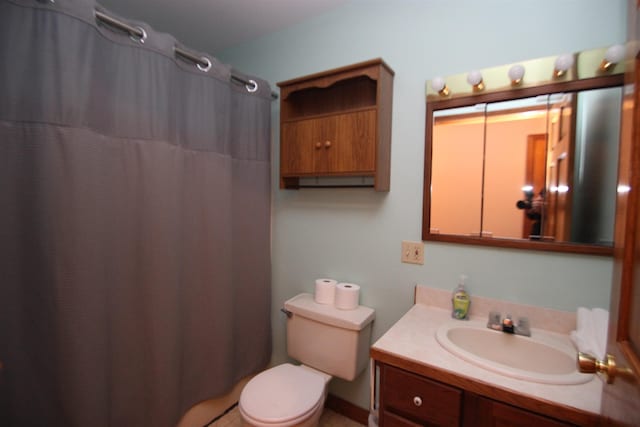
[
  {"x": 408, "y": 399},
  {"x": 337, "y": 123}
]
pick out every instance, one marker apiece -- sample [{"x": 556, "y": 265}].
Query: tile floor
[{"x": 328, "y": 418}]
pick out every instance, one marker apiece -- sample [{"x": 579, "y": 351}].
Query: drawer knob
[
  {"x": 318, "y": 145},
  {"x": 327, "y": 144},
  {"x": 417, "y": 401}
]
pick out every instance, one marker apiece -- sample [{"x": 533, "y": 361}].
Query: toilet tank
[{"x": 328, "y": 339}]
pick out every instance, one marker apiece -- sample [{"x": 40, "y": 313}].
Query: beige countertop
[{"x": 413, "y": 338}]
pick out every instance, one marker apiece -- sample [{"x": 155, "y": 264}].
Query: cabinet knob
[
  {"x": 327, "y": 144},
  {"x": 417, "y": 401},
  {"x": 318, "y": 145}
]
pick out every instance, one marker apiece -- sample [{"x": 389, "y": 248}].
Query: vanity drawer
[{"x": 419, "y": 399}]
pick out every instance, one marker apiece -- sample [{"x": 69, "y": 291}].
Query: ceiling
[{"x": 214, "y": 25}]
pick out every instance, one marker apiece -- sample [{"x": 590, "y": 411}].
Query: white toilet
[{"x": 330, "y": 342}]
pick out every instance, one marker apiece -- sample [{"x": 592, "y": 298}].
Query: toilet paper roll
[
  {"x": 325, "y": 291},
  {"x": 347, "y": 296}
]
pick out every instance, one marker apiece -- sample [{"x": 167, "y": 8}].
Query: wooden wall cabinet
[
  {"x": 409, "y": 400},
  {"x": 337, "y": 123}
]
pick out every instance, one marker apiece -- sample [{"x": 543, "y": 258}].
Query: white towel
[{"x": 590, "y": 335}]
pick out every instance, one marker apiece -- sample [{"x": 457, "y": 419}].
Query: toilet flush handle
[{"x": 287, "y": 312}]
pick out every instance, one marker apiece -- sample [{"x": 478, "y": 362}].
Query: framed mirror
[{"x": 532, "y": 167}]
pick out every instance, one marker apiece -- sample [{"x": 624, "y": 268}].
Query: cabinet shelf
[
  {"x": 337, "y": 123},
  {"x": 344, "y": 95}
]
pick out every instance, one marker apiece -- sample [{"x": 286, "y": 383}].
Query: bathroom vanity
[{"x": 421, "y": 383}]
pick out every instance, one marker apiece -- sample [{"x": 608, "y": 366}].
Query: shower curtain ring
[
  {"x": 205, "y": 67},
  {"x": 141, "y": 37},
  {"x": 252, "y": 88}
]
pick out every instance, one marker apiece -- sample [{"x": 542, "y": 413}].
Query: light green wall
[{"x": 354, "y": 234}]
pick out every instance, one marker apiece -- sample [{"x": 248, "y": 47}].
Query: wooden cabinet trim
[{"x": 367, "y": 68}]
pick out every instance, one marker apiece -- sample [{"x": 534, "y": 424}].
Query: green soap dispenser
[{"x": 460, "y": 300}]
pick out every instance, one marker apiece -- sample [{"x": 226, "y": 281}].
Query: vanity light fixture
[
  {"x": 439, "y": 85},
  {"x": 516, "y": 73},
  {"x": 612, "y": 56},
  {"x": 474, "y": 78},
  {"x": 562, "y": 65}
]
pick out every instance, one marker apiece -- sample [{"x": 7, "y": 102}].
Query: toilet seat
[{"x": 283, "y": 395}]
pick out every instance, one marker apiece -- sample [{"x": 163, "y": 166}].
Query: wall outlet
[{"x": 413, "y": 252}]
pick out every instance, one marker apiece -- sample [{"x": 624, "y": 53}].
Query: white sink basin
[{"x": 543, "y": 358}]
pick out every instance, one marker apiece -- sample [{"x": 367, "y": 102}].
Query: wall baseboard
[{"x": 347, "y": 409}]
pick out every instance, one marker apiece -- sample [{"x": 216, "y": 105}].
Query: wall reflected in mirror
[{"x": 542, "y": 168}]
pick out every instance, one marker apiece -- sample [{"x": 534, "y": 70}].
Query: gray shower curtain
[{"x": 134, "y": 223}]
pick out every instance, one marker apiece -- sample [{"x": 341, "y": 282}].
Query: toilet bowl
[
  {"x": 329, "y": 343},
  {"x": 284, "y": 396}
]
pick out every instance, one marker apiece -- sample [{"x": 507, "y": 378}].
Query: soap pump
[{"x": 460, "y": 300}]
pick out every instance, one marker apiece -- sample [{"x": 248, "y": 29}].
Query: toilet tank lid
[{"x": 305, "y": 306}]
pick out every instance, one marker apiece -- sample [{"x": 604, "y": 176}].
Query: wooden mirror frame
[{"x": 599, "y": 82}]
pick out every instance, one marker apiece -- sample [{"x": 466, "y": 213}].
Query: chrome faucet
[
  {"x": 507, "y": 325},
  {"x": 522, "y": 327},
  {"x": 494, "y": 321}
]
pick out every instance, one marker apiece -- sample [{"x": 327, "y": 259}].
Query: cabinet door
[
  {"x": 352, "y": 148},
  {"x": 298, "y": 145},
  {"x": 483, "y": 412}
]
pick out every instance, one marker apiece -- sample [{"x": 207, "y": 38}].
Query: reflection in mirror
[
  {"x": 541, "y": 170},
  {"x": 515, "y": 147},
  {"x": 595, "y": 175},
  {"x": 456, "y": 181}
]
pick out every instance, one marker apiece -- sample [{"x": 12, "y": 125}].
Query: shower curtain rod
[{"x": 202, "y": 62}]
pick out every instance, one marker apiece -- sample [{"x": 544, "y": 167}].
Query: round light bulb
[
  {"x": 614, "y": 54},
  {"x": 563, "y": 63},
  {"x": 438, "y": 84},
  {"x": 474, "y": 77},
  {"x": 516, "y": 73}
]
